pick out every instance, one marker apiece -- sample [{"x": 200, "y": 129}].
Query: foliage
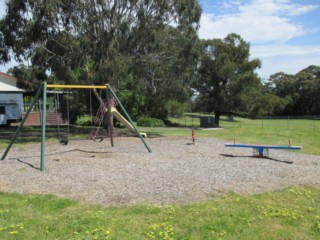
[
  {"x": 175, "y": 108},
  {"x": 84, "y": 121},
  {"x": 261, "y": 103},
  {"x": 293, "y": 213},
  {"x": 131, "y": 97},
  {"x": 150, "y": 122},
  {"x": 168, "y": 77},
  {"x": 29, "y": 78},
  {"x": 148, "y": 43},
  {"x": 225, "y": 75},
  {"x": 300, "y": 91}
]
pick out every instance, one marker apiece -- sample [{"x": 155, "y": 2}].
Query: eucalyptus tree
[
  {"x": 301, "y": 90},
  {"x": 226, "y": 75},
  {"x": 99, "y": 41},
  {"x": 166, "y": 72}
]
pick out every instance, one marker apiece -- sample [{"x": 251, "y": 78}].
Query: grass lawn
[
  {"x": 305, "y": 133},
  {"x": 293, "y": 213}
]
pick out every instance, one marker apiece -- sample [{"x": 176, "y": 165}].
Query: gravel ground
[{"x": 175, "y": 172}]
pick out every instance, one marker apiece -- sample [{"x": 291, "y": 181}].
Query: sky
[{"x": 283, "y": 34}]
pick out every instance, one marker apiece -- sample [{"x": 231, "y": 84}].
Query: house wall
[
  {"x": 11, "y": 98},
  {"x": 17, "y": 97}
]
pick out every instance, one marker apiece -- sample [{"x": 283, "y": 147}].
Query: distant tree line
[
  {"x": 150, "y": 53},
  {"x": 297, "y": 94}
]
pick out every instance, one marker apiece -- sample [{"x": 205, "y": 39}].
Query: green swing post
[
  {"x": 43, "y": 123},
  {"x": 22, "y": 122},
  {"x": 128, "y": 117}
]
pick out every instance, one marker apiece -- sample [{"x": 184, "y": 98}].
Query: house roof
[
  {"x": 8, "y": 76},
  {"x": 9, "y": 88}
]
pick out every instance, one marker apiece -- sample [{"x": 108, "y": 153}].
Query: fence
[{"x": 311, "y": 123}]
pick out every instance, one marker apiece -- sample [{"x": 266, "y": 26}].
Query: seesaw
[{"x": 262, "y": 150}]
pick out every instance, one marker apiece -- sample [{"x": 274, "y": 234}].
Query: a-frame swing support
[{"x": 43, "y": 88}]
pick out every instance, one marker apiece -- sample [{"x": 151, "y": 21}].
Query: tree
[
  {"x": 225, "y": 73},
  {"x": 308, "y": 89},
  {"x": 28, "y": 77},
  {"x": 120, "y": 40},
  {"x": 261, "y": 101},
  {"x": 167, "y": 72},
  {"x": 300, "y": 90}
]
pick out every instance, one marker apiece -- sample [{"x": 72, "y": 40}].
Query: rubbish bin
[{"x": 206, "y": 122}]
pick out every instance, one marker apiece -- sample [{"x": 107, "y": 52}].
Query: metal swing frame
[{"x": 43, "y": 90}]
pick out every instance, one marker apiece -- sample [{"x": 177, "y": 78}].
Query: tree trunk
[{"x": 217, "y": 118}]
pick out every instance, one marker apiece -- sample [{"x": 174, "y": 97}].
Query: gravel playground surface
[{"x": 175, "y": 172}]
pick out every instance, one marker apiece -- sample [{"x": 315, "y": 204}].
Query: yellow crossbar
[{"x": 76, "y": 86}]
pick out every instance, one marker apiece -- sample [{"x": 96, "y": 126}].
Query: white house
[{"x": 11, "y": 99}]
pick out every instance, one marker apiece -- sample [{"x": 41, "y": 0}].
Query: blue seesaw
[{"x": 262, "y": 150}]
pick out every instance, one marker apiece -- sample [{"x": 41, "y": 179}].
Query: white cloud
[
  {"x": 268, "y": 25},
  {"x": 285, "y": 58},
  {"x": 268, "y": 51},
  {"x": 258, "y": 21},
  {"x": 251, "y": 28},
  {"x": 275, "y": 7}
]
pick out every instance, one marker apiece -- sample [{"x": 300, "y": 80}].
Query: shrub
[
  {"x": 84, "y": 121},
  {"x": 150, "y": 122},
  {"x": 175, "y": 108}
]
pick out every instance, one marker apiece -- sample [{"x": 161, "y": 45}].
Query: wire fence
[{"x": 310, "y": 122}]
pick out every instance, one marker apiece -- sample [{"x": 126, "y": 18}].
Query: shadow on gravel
[
  {"x": 26, "y": 163},
  {"x": 267, "y": 158}
]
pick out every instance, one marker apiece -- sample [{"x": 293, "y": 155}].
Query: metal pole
[
  {"x": 43, "y": 123},
  {"x": 22, "y": 122},
  {"x": 128, "y": 117},
  {"x": 110, "y": 124}
]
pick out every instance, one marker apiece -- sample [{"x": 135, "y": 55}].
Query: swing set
[{"x": 107, "y": 109}]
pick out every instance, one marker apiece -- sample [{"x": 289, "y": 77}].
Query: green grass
[
  {"x": 305, "y": 133},
  {"x": 293, "y": 213}
]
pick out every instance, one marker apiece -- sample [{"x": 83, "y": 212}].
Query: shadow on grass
[{"x": 266, "y": 158}]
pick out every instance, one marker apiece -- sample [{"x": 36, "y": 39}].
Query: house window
[{"x": 2, "y": 110}]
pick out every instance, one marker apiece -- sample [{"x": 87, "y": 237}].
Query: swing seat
[{"x": 64, "y": 141}]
